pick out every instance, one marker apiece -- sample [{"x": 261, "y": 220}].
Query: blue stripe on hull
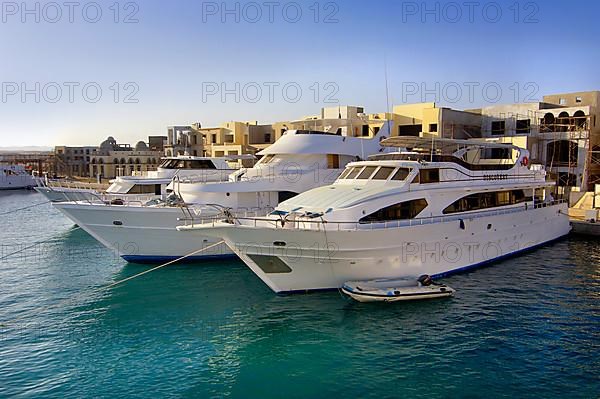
[
  {"x": 499, "y": 258},
  {"x": 142, "y": 259},
  {"x": 448, "y": 273}
]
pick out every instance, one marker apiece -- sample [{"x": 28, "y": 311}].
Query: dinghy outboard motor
[{"x": 425, "y": 280}]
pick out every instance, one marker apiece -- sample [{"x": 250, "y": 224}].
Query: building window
[
  {"x": 403, "y": 210},
  {"x": 267, "y": 137},
  {"x": 410, "y": 130},
  {"x": 214, "y": 139},
  {"x": 498, "y": 128},
  {"x": 333, "y": 161},
  {"x": 562, "y": 101},
  {"x": 578, "y": 99},
  {"x": 365, "y": 131},
  {"x": 433, "y": 127},
  {"x": 523, "y": 126}
]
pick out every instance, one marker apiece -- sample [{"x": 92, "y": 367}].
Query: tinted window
[
  {"x": 401, "y": 174},
  {"x": 143, "y": 189},
  {"x": 367, "y": 172},
  {"x": 345, "y": 173},
  {"x": 188, "y": 164},
  {"x": 403, "y": 210},
  {"x": 267, "y": 159},
  {"x": 487, "y": 200},
  {"x": 200, "y": 164},
  {"x": 383, "y": 173},
  {"x": 285, "y": 195},
  {"x": 429, "y": 176},
  {"x": 354, "y": 172}
]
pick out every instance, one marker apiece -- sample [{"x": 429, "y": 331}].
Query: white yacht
[
  {"x": 442, "y": 207},
  {"x": 147, "y": 233},
  {"x": 15, "y": 177},
  {"x": 142, "y": 185}
]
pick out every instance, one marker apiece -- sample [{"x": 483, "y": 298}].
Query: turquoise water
[{"x": 526, "y": 327}]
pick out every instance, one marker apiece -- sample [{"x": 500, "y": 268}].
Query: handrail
[{"x": 318, "y": 225}]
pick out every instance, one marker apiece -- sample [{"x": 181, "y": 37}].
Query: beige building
[
  {"x": 425, "y": 119},
  {"x": 560, "y": 132},
  {"x": 72, "y": 161},
  {"x": 111, "y": 159}
]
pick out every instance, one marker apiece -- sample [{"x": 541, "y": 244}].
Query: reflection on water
[{"x": 525, "y": 327}]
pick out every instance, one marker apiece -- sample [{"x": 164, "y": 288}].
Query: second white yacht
[
  {"x": 146, "y": 233},
  {"x": 142, "y": 186}
]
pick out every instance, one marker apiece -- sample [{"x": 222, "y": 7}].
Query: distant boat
[{"x": 15, "y": 177}]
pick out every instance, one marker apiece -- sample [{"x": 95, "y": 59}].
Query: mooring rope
[
  {"x": 106, "y": 287},
  {"x": 24, "y": 208},
  {"x": 163, "y": 265}
]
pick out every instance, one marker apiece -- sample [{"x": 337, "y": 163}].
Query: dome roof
[
  {"x": 141, "y": 146},
  {"x": 108, "y": 144}
]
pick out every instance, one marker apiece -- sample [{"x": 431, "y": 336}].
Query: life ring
[{"x": 525, "y": 161}]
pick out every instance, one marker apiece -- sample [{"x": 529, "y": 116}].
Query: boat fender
[{"x": 425, "y": 280}]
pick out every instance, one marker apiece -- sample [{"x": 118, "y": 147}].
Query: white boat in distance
[
  {"x": 144, "y": 186},
  {"x": 15, "y": 177},
  {"x": 147, "y": 233},
  {"x": 445, "y": 206}
]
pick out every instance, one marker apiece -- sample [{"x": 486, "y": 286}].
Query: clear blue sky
[{"x": 179, "y": 51}]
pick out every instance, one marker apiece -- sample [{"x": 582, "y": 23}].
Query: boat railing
[
  {"x": 324, "y": 225},
  {"x": 111, "y": 199},
  {"x": 208, "y": 175},
  {"x": 73, "y": 185},
  {"x": 192, "y": 214}
]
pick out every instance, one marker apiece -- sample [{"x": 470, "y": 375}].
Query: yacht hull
[
  {"x": 292, "y": 260},
  {"x": 141, "y": 234}
]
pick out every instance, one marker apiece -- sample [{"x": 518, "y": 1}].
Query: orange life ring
[{"x": 525, "y": 161}]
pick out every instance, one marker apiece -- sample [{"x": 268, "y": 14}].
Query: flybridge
[
  {"x": 445, "y": 145},
  {"x": 471, "y": 154}
]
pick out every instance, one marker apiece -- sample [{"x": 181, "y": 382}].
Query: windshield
[
  {"x": 374, "y": 173},
  {"x": 187, "y": 164}
]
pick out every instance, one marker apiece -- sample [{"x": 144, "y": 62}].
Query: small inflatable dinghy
[{"x": 392, "y": 290}]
